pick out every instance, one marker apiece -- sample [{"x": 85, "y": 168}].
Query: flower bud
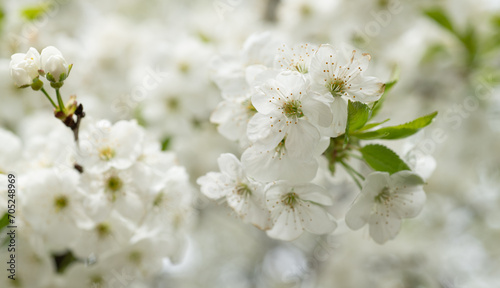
[
  {"x": 24, "y": 67},
  {"x": 54, "y": 65}
]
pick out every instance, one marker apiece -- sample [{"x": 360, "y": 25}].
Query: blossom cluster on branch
[{"x": 290, "y": 108}]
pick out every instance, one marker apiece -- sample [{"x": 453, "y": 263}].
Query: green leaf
[
  {"x": 400, "y": 131},
  {"x": 4, "y": 221},
  {"x": 381, "y": 158},
  {"x": 357, "y": 115},
  {"x": 439, "y": 15},
  {"x": 388, "y": 86},
  {"x": 165, "y": 143},
  {"x": 469, "y": 39},
  {"x": 64, "y": 260},
  {"x": 2, "y": 15},
  {"x": 372, "y": 125},
  {"x": 34, "y": 12},
  {"x": 436, "y": 51}
]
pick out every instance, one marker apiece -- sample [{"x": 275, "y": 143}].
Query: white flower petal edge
[
  {"x": 53, "y": 63},
  {"x": 283, "y": 105},
  {"x": 298, "y": 208},
  {"x": 298, "y": 58},
  {"x": 339, "y": 77},
  {"x": 24, "y": 67},
  {"x": 385, "y": 200},
  {"x": 244, "y": 196}
]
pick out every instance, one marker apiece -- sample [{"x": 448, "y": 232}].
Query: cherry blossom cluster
[
  {"x": 102, "y": 201},
  {"x": 291, "y": 108},
  {"x": 127, "y": 209}
]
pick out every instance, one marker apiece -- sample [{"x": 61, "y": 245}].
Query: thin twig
[{"x": 48, "y": 97}]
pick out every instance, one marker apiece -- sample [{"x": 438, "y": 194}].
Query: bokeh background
[{"x": 447, "y": 54}]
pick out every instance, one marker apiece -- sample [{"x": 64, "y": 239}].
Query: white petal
[
  {"x": 301, "y": 139},
  {"x": 287, "y": 225},
  {"x": 231, "y": 166},
  {"x": 212, "y": 185},
  {"x": 265, "y": 100},
  {"x": 365, "y": 89},
  {"x": 339, "y": 109},
  {"x": 359, "y": 213},
  {"x": 266, "y": 129},
  {"x": 322, "y": 64},
  {"x": 409, "y": 196},
  {"x": 313, "y": 193},
  {"x": 223, "y": 112},
  {"x": 375, "y": 183},
  {"x": 409, "y": 202},
  {"x": 317, "y": 112},
  {"x": 231, "y": 118},
  {"x": 405, "y": 178},
  {"x": 290, "y": 81},
  {"x": 383, "y": 228},
  {"x": 267, "y": 165},
  {"x": 315, "y": 219}
]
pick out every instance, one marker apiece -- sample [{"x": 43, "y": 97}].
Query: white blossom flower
[
  {"x": 10, "y": 151},
  {"x": 385, "y": 200},
  {"x": 287, "y": 109},
  {"x": 38, "y": 268},
  {"x": 295, "y": 208},
  {"x": 298, "y": 58},
  {"x": 104, "y": 146},
  {"x": 104, "y": 237},
  {"x": 340, "y": 78},
  {"x": 54, "y": 207},
  {"x": 114, "y": 190},
  {"x": 143, "y": 256},
  {"x": 232, "y": 117},
  {"x": 245, "y": 196},
  {"x": 98, "y": 275},
  {"x": 169, "y": 204},
  {"x": 268, "y": 165},
  {"x": 54, "y": 65},
  {"x": 24, "y": 67}
]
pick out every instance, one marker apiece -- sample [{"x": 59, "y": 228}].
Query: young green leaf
[
  {"x": 439, "y": 15},
  {"x": 400, "y": 131},
  {"x": 381, "y": 158},
  {"x": 372, "y": 125},
  {"x": 32, "y": 13},
  {"x": 357, "y": 115},
  {"x": 4, "y": 221}
]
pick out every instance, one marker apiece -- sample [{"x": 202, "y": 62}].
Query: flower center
[
  {"x": 135, "y": 257},
  {"x": 106, "y": 153},
  {"x": 290, "y": 199},
  {"x": 243, "y": 190},
  {"x": 114, "y": 183},
  {"x": 173, "y": 103},
  {"x": 103, "y": 230},
  {"x": 293, "y": 108},
  {"x": 61, "y": 202},
  {"x": 249, "y": 107},
  {"x": 383, "y": 196},
  {"x": 305, "y": 10},
  {"x": 336, "y": 87},
  {"x": 281, "y": 148},
  {"x": 184, "y": 67},
  {"x": 301, "y": 68},
  {"x": 96, "y": 281},
  {"x": 158, "y": 199}
]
